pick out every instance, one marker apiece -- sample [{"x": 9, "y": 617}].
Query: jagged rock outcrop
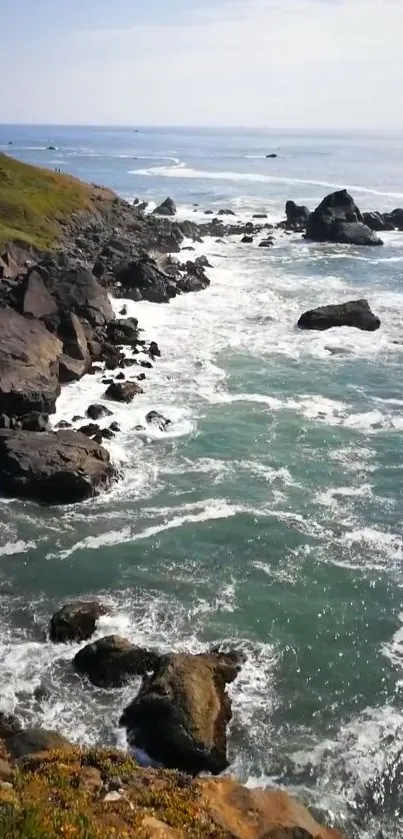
[
  {"x": 167, "y": 208},
  {"x": 182, "y": 710}
]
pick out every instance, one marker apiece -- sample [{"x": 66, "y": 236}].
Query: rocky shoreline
[{"x": 57, "y": 323}]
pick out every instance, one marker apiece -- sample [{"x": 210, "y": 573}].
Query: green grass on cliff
[{"x": 34, "y": 201}]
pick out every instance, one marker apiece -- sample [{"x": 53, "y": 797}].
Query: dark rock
[
  {"x": 226, "y": 213},
  {"x": 141, "y": 377},
  {"x": 141, "y": 279},
  {"x": 63, "y": 424},
  {"x": 154, "y": 350},
  {"x": 77, "y": 418},
  {"x": 32, "y": 741},
  {"x": 181, "y": 712},
  {"x": 272, "y": 155},
  {"x": 338, "y": 219},
  {"x": 395, "y": 218},
  {"x": 354, "y": 313},
  {"x": 114, "y": 426},
  {"x": 76, "y": 621},
  {"x": 167, "y": 208},
  {"x": 112, "y": 661},
  {"x": 51, "y": 148},
  {"x": 29, "y": 365},
  {"x": 123, "y": 391},
  {"x": 202, "y": 262},
  {"x": 60, "y": 467},
  {"x": 247, "y": 240},
  {"x": 259, "y": 215},
  {"x": 146, "y": 364},
  {"x": 9, "y": 725},
  {"x": 209, "y": 212},
  {"x": 34, "y": 421},
  {"x": 123, "y": 331},
  {"x": 76, "y": 359},
  {"x": 33, "y": 298},
  {"x": 123, "y": 311},
  {"x": 79, "y": 292},
  {"x": 377, "y": 222},
  {"x": 5, "y": 421},
  {"x": 120, "y": 377},
  {"x": 266, "y": 243},
  {"x": 106, "y": 434},
  {"x": 155, "y": 418},
  {"x": 90, "y": 430},
  {"x": 96, "y": 411},
  {"x": 297, "y": 216}
]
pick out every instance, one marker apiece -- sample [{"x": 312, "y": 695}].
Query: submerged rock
[
  {"x": 338, "y": 219},
  {"x": 181, "y": 712},
  {"x": 59, "y": 467},
  {"x": 155, "y": 418},
  {"x": 111, "y": 661},
  {"x": 76, "y": 621},
  {"x": 354, "y": 313},
  {"x": 97, "y": 411}
]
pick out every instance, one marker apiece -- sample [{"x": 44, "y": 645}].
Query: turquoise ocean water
[{"x": 270, "y": 516}]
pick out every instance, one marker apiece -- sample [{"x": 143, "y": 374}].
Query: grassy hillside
[{"x": 33, "y": 202}]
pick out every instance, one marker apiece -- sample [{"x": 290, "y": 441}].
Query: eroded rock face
[
  {"x": 60, "y": 467},
  {"x": 112, "y": 661},
  {"x": 338, "y": 219},
  {"x": 76, "y": 621},
  {"x": 259, "y": 813},
  {"x": 181, "y": 712},
  {"x": 29, "y": 365},
  {"x": 297, "y": 216},
  {"x": 354, "y": 313}
]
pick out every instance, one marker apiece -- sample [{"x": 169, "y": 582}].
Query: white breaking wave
[{"x": 181, "y": 170}]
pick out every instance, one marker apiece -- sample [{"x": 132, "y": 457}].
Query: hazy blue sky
[{"x": 279, "y": 63}]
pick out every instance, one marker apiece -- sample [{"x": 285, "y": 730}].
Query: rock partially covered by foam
[
  {"x": 76, "y": 621},
  {"x": 112, "y": 661}
]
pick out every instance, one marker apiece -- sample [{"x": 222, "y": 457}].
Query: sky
[{"x": 265, "y": 63}]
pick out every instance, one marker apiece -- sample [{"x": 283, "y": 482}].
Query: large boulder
[
  {"x": 76, "y": 621},
  {"x": 60, "y": 467},
  {"x": 297, "y": 216},
  {"x": 34, "y": 298},
  {"x": 167, "y": 208},
  {"x": 354, "y": 313},
  {"x": 181, "y": 712},
  {"x": 79, "y": 292},
  {"x": 76, "y": 359},
  {"x": 112, "y": 661},
  {"x": 124, "y": 331},
  {"x": 29, "y": 365},
  {"x": 338, "y": 219}
]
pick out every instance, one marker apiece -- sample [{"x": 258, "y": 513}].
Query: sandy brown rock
[
  {"x": 259, "y": 813},
  {"x": 58, "y": 467}
]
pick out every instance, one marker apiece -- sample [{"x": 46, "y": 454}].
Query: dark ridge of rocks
[
  {"x": 182, "y": 710},
  {"x": 61, "y": 467},
  {"x": 353, "y": 313},
  {"x": 76, "y": 621},
  {"x": 377, "y": 222},
  {"x": 338, "y": 219},
  {"x": 112, "y": 661}
]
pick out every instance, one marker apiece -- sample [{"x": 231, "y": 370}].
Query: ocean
[{"x": 269, "y": 516}]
